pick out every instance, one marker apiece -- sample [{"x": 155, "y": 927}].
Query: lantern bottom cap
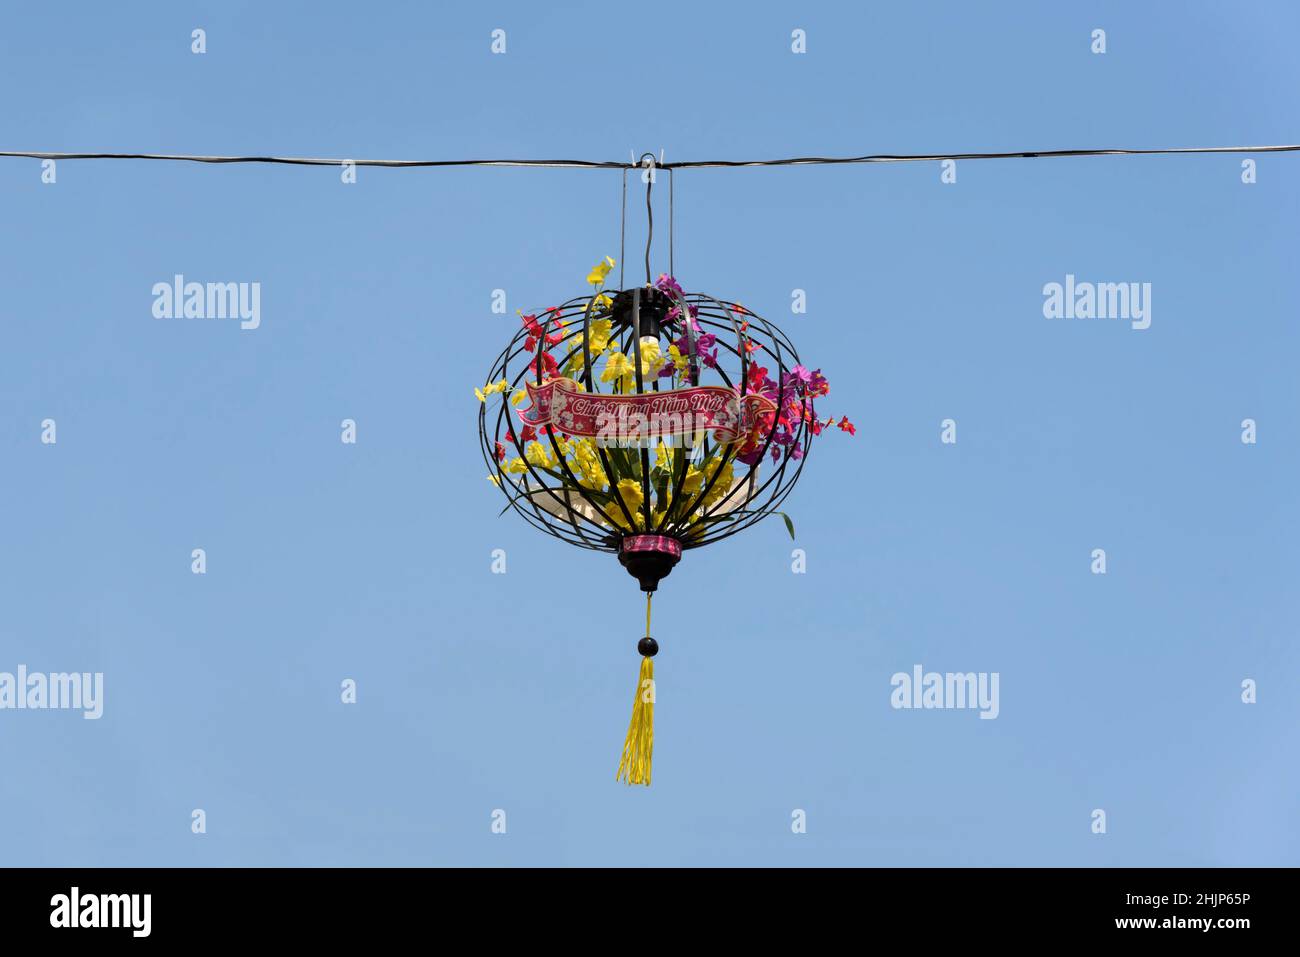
[{"x": 649, "y": 558}]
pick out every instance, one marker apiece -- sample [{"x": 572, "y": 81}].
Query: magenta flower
[
  {"x": 703, "y": 342},
  {"x": 666, "y": 283}
]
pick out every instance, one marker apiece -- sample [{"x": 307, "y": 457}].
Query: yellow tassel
[{"x": 639, "y": 746}]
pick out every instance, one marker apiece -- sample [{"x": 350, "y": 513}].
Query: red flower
[
  {"x": 549, "y": 365},
  {"x": 847, "y": 426},
  {"x": 501, "y": 452}
]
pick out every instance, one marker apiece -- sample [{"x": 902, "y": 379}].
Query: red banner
[{"x": 620, "y": 419}]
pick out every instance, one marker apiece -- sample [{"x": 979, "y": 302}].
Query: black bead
[{"x": 648, "y": 647}]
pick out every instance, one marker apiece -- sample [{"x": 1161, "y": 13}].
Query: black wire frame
[{"x": 740, "y": 335}]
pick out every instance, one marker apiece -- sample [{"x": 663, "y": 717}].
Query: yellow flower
[
  {"x": 663, "y": 458},
  {"x": 629, "y": 490},
  {"x": 515, "y": 466},
  {"x": 598, "y": 272},
  {"x": 494, "y": 480},
  {"x": 490, "y": 388},
  {"x": 586, "y": 461},
  {"x": 602, "y": 302},
  {"x": 540, "y": 456},
  {"x": 598, "y": 335},
  {"x": 597, "y": 341},
  {"x": 722, "y": 486},
  {"x": 651, "y": 359},
  {"x": 680, "y": 362},
  {"x": 518, "y": 397},
  {"x": 616, "y": 367},
  {"x": 693, "y": 482}
]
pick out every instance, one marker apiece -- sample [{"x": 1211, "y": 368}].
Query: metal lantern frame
[{"x": 634, "y": 313}]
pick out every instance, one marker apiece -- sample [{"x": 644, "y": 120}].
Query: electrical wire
[
  {"x": 310, "y": 161},
  {"x": 685, "y": 164},
  {"x": 931, "y": 157},
  {"x": 649, "y": 217}
]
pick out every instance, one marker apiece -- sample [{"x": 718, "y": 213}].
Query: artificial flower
[
  {"x": 549, "y": 365},
  {"x": 798, "y": 377},
  {"x": 693, "y": 481},
  {"x": 491, "y": 388},
  {"x": 629, "y": 490},
  {"x": 598, "y": 272},
  {"x": 648, "y": 349},
  {"x": 598, "y": 335},
  {"x": 540, "y": 456},
  {"x": 586, "y": 460},
  {"x": 721, "y": 486},
  {"x": 616, "y": 367},
  {"x": 666, "y": 283}
]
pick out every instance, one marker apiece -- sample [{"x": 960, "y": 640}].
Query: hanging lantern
[{"x": 648, "y": 422}]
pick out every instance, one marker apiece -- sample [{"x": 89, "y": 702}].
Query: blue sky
[{"x": 373, "y": 561}]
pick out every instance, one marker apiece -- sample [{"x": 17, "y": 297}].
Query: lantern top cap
[{"x": 645, "y": 304}]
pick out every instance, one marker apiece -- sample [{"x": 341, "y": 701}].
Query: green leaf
[{"x": 789, "y": 525}]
